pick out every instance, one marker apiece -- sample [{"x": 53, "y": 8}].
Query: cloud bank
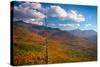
[
  {"x": 28, "y": 11},
  {"x": 57, "y": 11},
  {"x": 35, "y": 13}
]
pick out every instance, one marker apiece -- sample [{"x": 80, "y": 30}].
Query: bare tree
[{"x": 46, "y": 45}]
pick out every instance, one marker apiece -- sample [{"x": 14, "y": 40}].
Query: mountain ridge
[{"x": 29, "y": 45}]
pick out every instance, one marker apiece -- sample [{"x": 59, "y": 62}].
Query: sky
[{"x": 62, "y": 16}]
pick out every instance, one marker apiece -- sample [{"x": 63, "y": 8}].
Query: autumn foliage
[{"x": 29, "y": 48}]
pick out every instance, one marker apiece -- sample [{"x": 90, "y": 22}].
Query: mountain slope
[{"x": 63, "y": 46}]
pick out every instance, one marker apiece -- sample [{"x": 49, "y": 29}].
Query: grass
[
  {"x": 28, "y": 53},
  {"x": 29, "y": 47}
]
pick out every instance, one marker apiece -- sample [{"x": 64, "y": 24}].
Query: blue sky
[
  {"x": 89, "y": 12},
  {"x": 63, "y": 16}
]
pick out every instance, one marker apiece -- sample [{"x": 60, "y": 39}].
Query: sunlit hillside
[{"x": 63, "y": 46}]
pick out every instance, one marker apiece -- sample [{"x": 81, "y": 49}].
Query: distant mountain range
[
  {"x": 83, "y": 33},
  {"x": 56, "y": 33}
]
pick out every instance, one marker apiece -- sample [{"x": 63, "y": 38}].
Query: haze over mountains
[{"x": 43, "y": 30}]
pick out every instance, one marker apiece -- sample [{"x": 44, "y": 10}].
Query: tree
[{"x": 46, "y": 46}]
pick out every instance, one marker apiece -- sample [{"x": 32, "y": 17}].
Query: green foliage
[{"x": 24, "y": 46}]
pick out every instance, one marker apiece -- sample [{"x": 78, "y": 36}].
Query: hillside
[{"x": 63, "y": 46}]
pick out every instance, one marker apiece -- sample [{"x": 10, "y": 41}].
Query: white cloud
[
  {"x": 34, "y": 21},
  {"x": 37, "y": 23},
  {"x": 23, "y": 13},
  {"x": 87, "y": 25},
  {"x": 69, "y": 25},
  {"x": 74, "y": 16},
  {"x": 57, "y": 11},
  {"x": 28, "y": 11},
  {"x": 78, "y": 25},
  {"x": 38, "y": 15},
  {"x": 31, "y": 5}
]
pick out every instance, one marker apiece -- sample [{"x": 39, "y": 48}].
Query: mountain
[
  {"x": 90, "y": 35},
  {"x": 43, "y": 30},
  {"x": 63, "y": 46},
  {"x": 56, "y": 34},
  {"x": 83, "y": 33}
]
